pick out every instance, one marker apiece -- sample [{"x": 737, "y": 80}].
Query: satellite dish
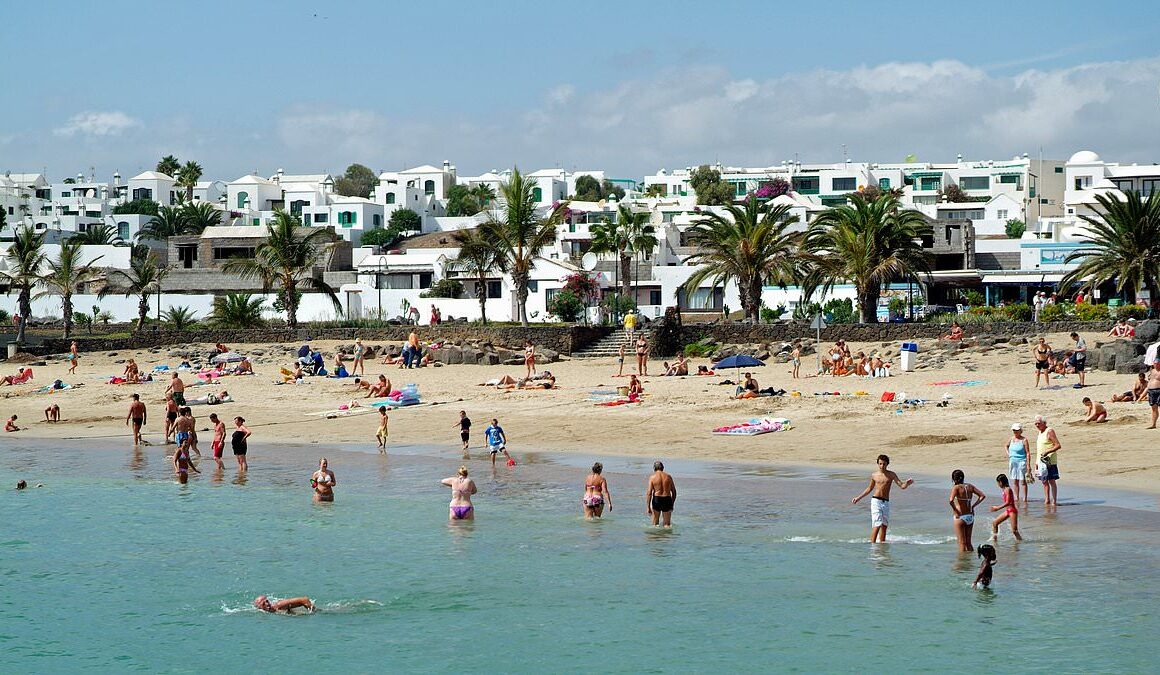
[{"x": 589, "y": 261}]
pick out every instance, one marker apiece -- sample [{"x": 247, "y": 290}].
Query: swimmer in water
[
  {"x": 263, "y": 603},
  {"x": 323, "y": 482},
  {"x": 462, "y": 488},
  {"x": 596, "y": 494},
  {"x": 987, "y": 553}
]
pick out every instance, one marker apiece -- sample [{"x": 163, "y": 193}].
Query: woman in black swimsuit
[
  {"x": 1041, "y": 352},
  {"x": 238, "y": 442}
]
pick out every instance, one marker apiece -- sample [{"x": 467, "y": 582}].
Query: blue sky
[{"x": 627, "y": 87}]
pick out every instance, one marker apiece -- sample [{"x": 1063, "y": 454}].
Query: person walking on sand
[
  {"x": 219, "y": 439},
  {"x": 620, "y": 361},
  {"x": 497, "y": 441},
  {"x": 357, "y": 367},
  {"x": 239, "y": 442},
  {"x": 462, "y": 488},
  {"x": 136, "y": 417},
  {"x": 596, "y": 494},
  {"x": 641, "y": 355},
  {"x": 963, "y": 505},
  {"x": 529, "y": 358},
  {"x": 1047, "y": 445},
  {"x": 74, "y": 356},
  {"x": 382, "y": 434},
  {"x": 464, "y": 425},
  {"x": 1042, "y": 353},
  {"x": 796, "y": 359},
  {"x": 880, "y": 482},
  {"x": 323, "y": 482},
  {"x": 1079, "y": 359},
  {"x": 661, "y": 496},
  {"x": 1018, "y": 458},
  {"x": 1153, "y": 391},
  {"x": 1011, "y": 510}
]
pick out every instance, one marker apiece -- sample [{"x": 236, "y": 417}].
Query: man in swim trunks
[
  {"x": 661, "y": 496},
  {"x": 496, "y": 440},
  {"x": 219, "y": 439},
  {"x": 170, "y": 416},
  {"x": 263, "y": 603},
  {"x": 177, "y": 388},
  {"x": 1042, "y": 353},
  {"x": 1153, "y": 391},
  {"x": 137, "y": 417},
  {"x": 182, "y": 428},
  {"x": 52, "y": 413},
  {"x": 1096, "y": 412},
  {"x": 880, "y": 482},
  {"x": 1138, "y": 392},
  {"x": 464, "y": 425}
]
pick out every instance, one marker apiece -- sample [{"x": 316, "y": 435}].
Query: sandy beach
[{"x": 674, "y": 420}]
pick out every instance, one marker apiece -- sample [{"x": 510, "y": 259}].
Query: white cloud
[
  {"x": 93, "y": 123},
  {"x": 560, "y": 95}
]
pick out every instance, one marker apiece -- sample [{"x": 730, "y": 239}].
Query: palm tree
[
  {"x": 182, "y": 317},
  {"x": 199, "y": 215},
  {"x": 750, "y": 247},
  {"x": 867, "y": 243},
  {"x": 237, "y": 310},
  {"x": 1122, "y": 242},
  {"x": 639, "y": 235},
  {"x": 478, "y": 257},
  {"x": 99, "y": 234},
  {"x": 66, "y": 273},
  {"x": 170, "y": 221},
  {"x": 287, "y": 258},
  {"x": 187, "y": 177},
  {"x": 143, "y": 279},
  {"x": 25, "y": 260},
  {"x": 521, "y": 234},
  {"x": 483, "y": 195},
  {"x": 169, "y": 166},
  {"x": 610, "y": 237}
]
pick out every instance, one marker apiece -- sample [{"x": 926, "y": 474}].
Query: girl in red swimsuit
[{"x": 1010, "y": 509}]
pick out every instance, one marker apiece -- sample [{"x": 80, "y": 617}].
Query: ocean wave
[{"x": 915, "y": 539}]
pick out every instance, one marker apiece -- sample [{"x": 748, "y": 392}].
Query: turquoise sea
[{"x": 113, "y": 567}]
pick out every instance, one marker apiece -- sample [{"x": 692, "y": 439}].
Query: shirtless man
[
  {"x": 381, "y": 389},
  {"x": 1138, "y": 392},
  {"x": 136, "y": 417},
  {"x": 1042, "y": 354},
  {"x": 219, "y": 439},
  {"x": 661, "y": 496},
  {"x": 132, "y": 372},
  {"x": 10, "y": 425},
  {"x": 880, "y": 482},
  {"x": 263, "y": 603},
  {"x": 177, "y": 388},
  {"x": 183, "y": 428},
  {"x": 170, "y": 415},
  {"x": 360, "y": 383},
  {"x": 1096, "y": 412},
  {"x": 1153, "y": 391}
]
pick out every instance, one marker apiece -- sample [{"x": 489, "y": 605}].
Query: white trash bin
[{"x": 909, "y": 356}]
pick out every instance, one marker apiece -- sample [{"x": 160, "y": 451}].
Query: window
[
  {"x": 845, "y": 184},
  {"x": 975, "y": 182},
  {"x": 377, "y": 219},
  {"x": 1123, "y": 184},
  {"x": 429, "y": 187},
  {"x": 1059, "y": 169},
  {"x": 257, "y": 222},
  {"x": 138, "y": 193},
  {"x": 933, "y": 183},
  {"x": 549, "y": 295},
  {"x": 739, "y": 189},
  {"x": 806, "y": 185},
  {"x": 1010, "y": 178},
  {"x": 321, "y": 217},
  {"x": 66, "y": 194},
  {"x": 537, "y": 195},
  {"x": 663, "y": 189},
  {"x": 296, "y": 207},
  {"x": 884, "y": 183},
  {"x": 233, "y": 252},
  {"x": 494, "y": 289},
  {"x": 11, "y": 211},
  {"x": 243, "y": 197},
  {"x": 1044, "y": 200},
  {"x": 347, "y": 218},
  {"x": 425, "y": 279},
  {"x": 390, "y": 197},
  {"x": 1002, "y": 214},
  {"x": 1083, "y": 182},
  {"x": 1149, "y": 185},
  {"x": 654, "y": 297}
]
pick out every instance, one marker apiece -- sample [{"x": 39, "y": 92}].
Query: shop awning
[
  {"x": 925, "y": 174},
  {"x": 1037, "y": 278},
  {"x": 954, "y": 276}
]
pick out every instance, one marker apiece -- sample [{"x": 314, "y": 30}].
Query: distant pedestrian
[
  {"x": 464, "y": 425},
  {"x": 137, "y": 417}
]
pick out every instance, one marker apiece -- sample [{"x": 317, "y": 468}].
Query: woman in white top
[{"x": 323, "y": 482}]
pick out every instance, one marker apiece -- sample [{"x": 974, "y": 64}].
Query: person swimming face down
[{"x": 263, "y": 603}]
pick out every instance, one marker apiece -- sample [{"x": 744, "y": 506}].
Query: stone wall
[
  {"x": 741, "y": 333},
  {"x": 562, "y": 339}
]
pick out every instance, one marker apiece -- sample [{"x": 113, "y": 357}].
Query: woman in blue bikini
[
  {"x": 462, "y": 488},
  {"x": 963, "y": 505}
]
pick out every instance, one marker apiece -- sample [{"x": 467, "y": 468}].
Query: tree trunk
[
  {"x": 483, "y": 299},
  {"x": 66, "y": 305},
  {"x": 520, "y": 281},
  {"x": 868, "y": 304},
  {"x": 24, "y": 301},
  {"x": 626, "y": 275},
  {"x": 143, "y": 312},
  {"x": 753, "y": 303},
  {"x": 291, "y": 305}
]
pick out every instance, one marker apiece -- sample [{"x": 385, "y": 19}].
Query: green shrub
[
  {"x": 566, "y": 306},
  {"x": 768, "y": 315},
  {"x": 1018, "y": 312},
  {"x": 974, "y": 298},
  {"x": 840, "y": 311},
  {"x": 444, "y": 288},
  {"x": 1090, "y": 312},
  {"x": 5, "y": 317},
  {"x": 1056, "y": 312},
  {"x": 806, "y": 311},
  {"x": 698, "y": 350},
  {"x": 1125, "y": 312}
]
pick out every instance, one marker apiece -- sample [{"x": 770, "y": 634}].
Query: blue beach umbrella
[{"x": 739, "y": 361}]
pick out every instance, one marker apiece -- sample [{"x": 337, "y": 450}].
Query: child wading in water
[
  {"x": 381, "y": 434},
  {"x": 987, "y": 553},
  {"x": 1012, "y": 511}
]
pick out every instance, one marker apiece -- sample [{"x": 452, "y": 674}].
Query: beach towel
[
  {"x": 754, "y": 427},
  {"x": 887, "y": 396},
  {"x": 958, "y": 383}
]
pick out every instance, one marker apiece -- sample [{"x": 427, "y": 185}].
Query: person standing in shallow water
[
  {"x": 596, "y": 494},
  {"x": 661, "y": 496},
  {"x": 880, "y": 482},
  {"x": 238, "y": 441},
  {"x": 462, "y": 488},
  {"x": 323, "y": 482},
  {"x": 136, "y": 417},
  {"x": 963, "y": 505}
]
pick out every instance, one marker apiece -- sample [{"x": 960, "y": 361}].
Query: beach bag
[
  {"x": 1041, "y": 470},
  {"x": 341, "y": 372},
  {"x": 887, "y": 397}
]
